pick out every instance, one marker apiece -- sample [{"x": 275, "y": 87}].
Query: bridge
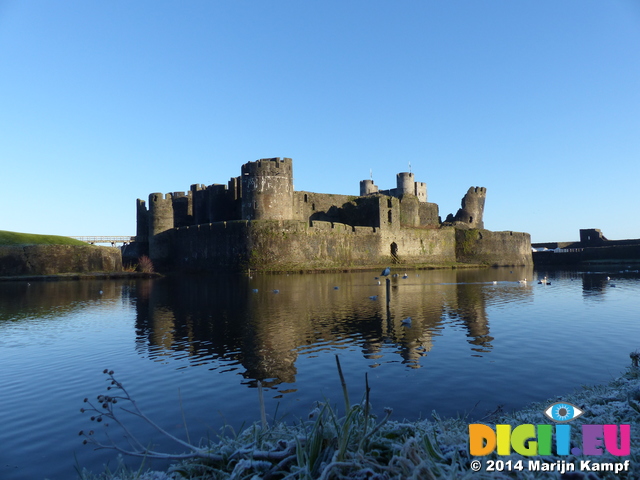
[{"x": 113, "y": 240}]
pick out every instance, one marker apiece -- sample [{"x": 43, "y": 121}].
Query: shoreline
[
  {"x": 360, "y": 446},
  {"x": 77, "y": 276},
  {"x": 286, "y": 271}
]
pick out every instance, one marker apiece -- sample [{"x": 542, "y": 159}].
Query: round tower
[
  {"x": 267, "y": 189},
  {"x": 367, "y": 187},
  {"x": 160, "y": 220},
  {"x": 405, "y": 184},
  {"x": 160, "y": 213}
]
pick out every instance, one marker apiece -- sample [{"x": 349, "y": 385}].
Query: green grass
[{"x": 15, "y": 238}]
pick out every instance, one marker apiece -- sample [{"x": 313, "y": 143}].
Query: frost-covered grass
[{"x": 360, "y": 446}]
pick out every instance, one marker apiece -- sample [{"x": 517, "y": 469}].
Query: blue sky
[{"x": 538, "y": 101}]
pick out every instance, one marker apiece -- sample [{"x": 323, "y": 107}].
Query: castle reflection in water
[{"x": 240, "y": 323}]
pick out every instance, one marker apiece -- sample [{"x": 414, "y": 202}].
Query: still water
[{"x": 191, "y": 349}]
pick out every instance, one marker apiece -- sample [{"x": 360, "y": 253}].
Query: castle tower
[
  {"x": 160, "y": 221},
  {"x": 200, "y": 202},
  {"x": 142, "y": 221},
  {"x": 470, "y": 215},
  {"x": 160, "y": 213},
  {"x": 421, "y": 191},
  {"x": 405, "y": 184},
  {"x": 182, "y": 205},
  {"x": 367, "y": 187},
  {"x": 267, "y": 189}
]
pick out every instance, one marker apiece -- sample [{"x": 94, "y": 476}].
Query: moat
[{"x": 204, "y": 341}]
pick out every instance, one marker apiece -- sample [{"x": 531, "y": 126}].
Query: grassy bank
[
  {"x": 360, "y": 446},
  {"x": 16, "y": 238}
]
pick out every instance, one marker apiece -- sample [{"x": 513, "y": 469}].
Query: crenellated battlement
[
  {"x": 155, "y": 198},
  {"x": 268, "y": 167}
]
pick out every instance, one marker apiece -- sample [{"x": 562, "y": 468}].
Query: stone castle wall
[
  {"x": 296, "y": 245},
  {"x": 56, "y": 259},
  {"x": 493, "y": 248},
  {"x": 283, "y": 245}
]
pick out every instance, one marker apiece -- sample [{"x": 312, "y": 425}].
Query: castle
[{"x": 258, "y": 221}]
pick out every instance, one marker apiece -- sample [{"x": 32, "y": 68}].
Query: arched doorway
[{"x": 394, "y": 252}]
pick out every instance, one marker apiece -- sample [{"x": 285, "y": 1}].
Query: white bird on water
[
  {"x": 406, "y": 322},
  {"x": 522, "y": 282}
]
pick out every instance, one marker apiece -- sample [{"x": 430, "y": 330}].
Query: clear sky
[{"x": 105, "y": 102}]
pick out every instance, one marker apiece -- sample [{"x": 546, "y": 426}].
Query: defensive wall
[
  {"x": 259, "y": 221},
  {"x": 55, "y": 259},
  {"x": 296, "y": 245},
  {"x": 592, "y": 248},
  {"x": 292, "y": 244},
  {"x": 493, "y": 248}
]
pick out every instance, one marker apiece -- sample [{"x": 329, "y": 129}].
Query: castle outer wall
[{"x": 295, "y": 245}]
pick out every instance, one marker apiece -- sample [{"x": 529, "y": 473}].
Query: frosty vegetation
[{"x": 358, "y": 445}]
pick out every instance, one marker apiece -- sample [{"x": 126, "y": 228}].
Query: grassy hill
[{"x": 15, "y": 238}]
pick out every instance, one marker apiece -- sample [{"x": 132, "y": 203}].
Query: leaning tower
[
  {"x": 472, "y": 209},
  {"x": 267, "y": 189}
]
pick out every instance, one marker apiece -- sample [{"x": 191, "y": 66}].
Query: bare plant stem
[{"x": 345, "y": 392}]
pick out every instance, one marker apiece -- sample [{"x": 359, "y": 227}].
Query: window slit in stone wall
[
  {"x": 389, "y": 203},
  {"x": 470, "y": 219},
  {"x": 306, "y": 199},
  {"x": 389, "y": 216}
]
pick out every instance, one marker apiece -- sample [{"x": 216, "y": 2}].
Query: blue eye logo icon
[{"x": 563, "y": 412}]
